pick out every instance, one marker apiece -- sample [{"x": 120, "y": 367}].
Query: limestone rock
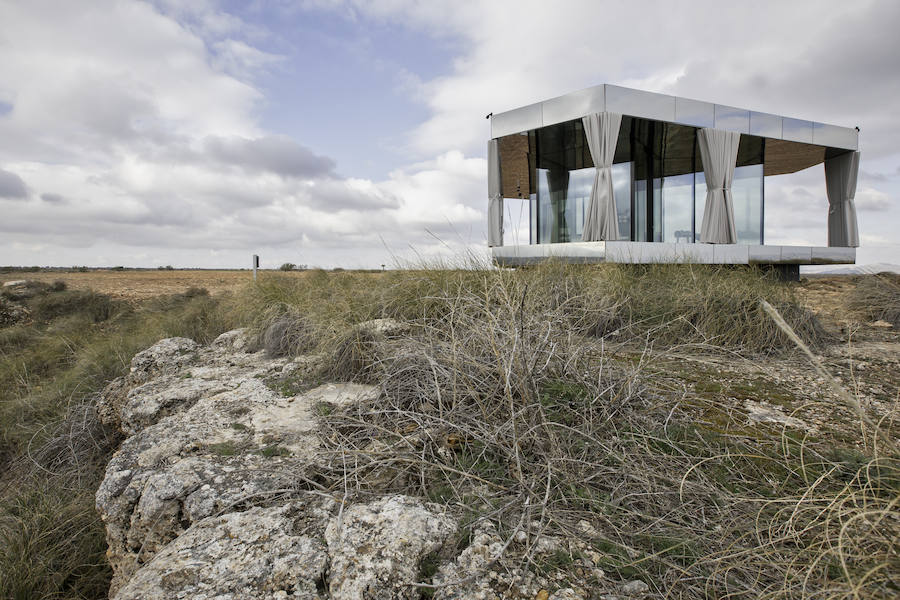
[
  {"x": 253, "y": 554},
  {"x": 375, "y": 548},
  {"x": 342, "y": 394},
  {"x": 635, "y": 588},
  {"x": 762, "y": 412},
  {"x": 236, "y": 340},
  {"x": 165, "y": 356},
  {"x": 145, "y": 509},
  {"x": 566, "y": 594},
  {"x": 473, "y": 575},
  {"x": 384, "y": 327},
  {"x": 207, "y": 436}
]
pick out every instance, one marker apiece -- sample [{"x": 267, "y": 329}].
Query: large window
[
  {"x": 676, "y": 204},
  {"x": 658, "y": 183},
  {"x": 747, "y": 193}
]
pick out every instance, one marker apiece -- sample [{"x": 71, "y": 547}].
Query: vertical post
[{"x": 255, "y": 265}]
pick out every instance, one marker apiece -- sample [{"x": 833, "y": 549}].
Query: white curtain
[
  {"x": 495, "y": 200},
  {"x": 602, "y": 133},
  {"x": 840, "y": 184},
  {"x": 718, "y": 151}
]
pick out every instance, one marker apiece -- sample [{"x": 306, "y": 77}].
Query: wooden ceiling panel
[{"x": 784, "y": 157}]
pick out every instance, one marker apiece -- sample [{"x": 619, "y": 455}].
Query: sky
[{"x": 350, "y": 133}]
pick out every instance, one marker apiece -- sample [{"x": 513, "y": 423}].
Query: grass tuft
[{"x": 877, "y": 297}]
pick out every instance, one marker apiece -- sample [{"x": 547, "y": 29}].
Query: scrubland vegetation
[{"x": 599, "y": 404}]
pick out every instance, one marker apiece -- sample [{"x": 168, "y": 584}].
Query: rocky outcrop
[
  {"x": 213, "y": 493},
  {"x": 205, "y": 498},
  {"x": 376, "y": 548},
  {"x": 252, "y": 554}
]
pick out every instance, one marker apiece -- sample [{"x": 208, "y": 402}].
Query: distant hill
[{"x": 850, "y": 269}]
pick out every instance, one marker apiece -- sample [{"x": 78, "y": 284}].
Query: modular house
[{"x": 612, "y": 174}]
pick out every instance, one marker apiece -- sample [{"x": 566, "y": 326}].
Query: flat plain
[{"x": 137, "y": 284}]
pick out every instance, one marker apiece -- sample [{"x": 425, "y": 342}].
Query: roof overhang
[{"x": 812, "y": 139}]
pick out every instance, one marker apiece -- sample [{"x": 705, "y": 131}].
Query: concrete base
[{"x": 663, "y": 252}]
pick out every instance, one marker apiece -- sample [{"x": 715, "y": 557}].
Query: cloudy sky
[{"x": 352, "y": 133}]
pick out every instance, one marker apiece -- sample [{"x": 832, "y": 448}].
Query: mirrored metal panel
[
  {"x": 574, "y": 105},
  {"x": 694, "y": 112},
  {"x": 836, "y": 137},
  {"x": 516, "y": 121},
  {"x": 765, "y": 125},
  {"x": 732, "y": 119},
  {"x": 796, "y": 130},
  {"x": 640, "y": 104}
]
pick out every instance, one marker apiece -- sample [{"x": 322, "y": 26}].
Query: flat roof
[{"x": 674, "y": 109}]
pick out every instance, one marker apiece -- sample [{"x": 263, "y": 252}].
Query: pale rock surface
[
  {"x": 635, "y": 588},
  {"x": 342, "y": 394},
  {"x": 475, "y": 574},
  {"x": 251, "y": 554},
  {"x": 761, "y": 412},
  {"x": 384, "y": 327},
  {"x": 206, "y": 435},
  {"x": 566, "y": 594},
  {"x": 376, "y": 548}
]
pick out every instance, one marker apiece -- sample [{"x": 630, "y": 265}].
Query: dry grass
[
  {"x": 527, "y": 398},
  {"x": 877, "y": 297},
  {"x": 507, "y": 401},
  {"x": 53, "y": 449}
]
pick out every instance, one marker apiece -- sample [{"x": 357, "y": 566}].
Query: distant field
[
  {"x": 140, "y": 284},
  {"x": 821, "y": 293}
]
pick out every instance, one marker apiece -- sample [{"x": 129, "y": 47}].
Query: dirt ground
[{"x": 140, "y": 284}]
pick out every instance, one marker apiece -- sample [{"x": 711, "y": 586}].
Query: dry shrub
[
  {"x": 877, "y": 297},
  {"x": 29, "y": 289},
  {"x": 289, "y": 334},
  {"x": 353, "y": 356},
  {"x": 92, "y": 305},
  {"x": 498, "y": 406}
]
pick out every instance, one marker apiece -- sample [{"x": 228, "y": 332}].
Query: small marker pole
[{"x": 255, "y": 265}]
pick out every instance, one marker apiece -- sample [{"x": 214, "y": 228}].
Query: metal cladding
[{"x": 673, "y": 109}]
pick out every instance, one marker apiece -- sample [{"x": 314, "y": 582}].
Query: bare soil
[{"x": 141, "y": 284}]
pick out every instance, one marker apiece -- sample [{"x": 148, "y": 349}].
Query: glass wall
[
  {"x": 676, "y": 207},
  {"x": 621, "y": 176},
  {"x": 747, "y": 193},
  {"x": 658, "y": 183}
]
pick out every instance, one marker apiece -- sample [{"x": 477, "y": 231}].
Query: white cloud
[
  {"x": 871, "y": 200},
  {"x": 138, "y": 126},
  {"x": 144, "y": 135}
]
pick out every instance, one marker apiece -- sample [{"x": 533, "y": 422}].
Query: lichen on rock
[
  {"x": 376, "y": 548},
  {"x": 251, "y": 554}
]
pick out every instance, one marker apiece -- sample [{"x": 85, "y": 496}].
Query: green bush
[{"x": 96, "y": 307}]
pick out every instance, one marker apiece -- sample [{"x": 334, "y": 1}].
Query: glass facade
[{"x": 658, "y": 182}]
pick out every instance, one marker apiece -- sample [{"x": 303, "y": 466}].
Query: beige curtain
[
  {"x": 495, "y": 200},
  {"x": 718, "y": 151},
  {"x": 840, "y": 185},
  {"x": 601, "y": 218}
]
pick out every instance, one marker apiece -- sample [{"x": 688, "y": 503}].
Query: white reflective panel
[
  {"x": 516, "y": 221},
  {"x": 573, "y": 106},
  {"x": 516, "y": 121},
  {"x": 765, "y": 125},
  {"x": 640, "y": 104},
  {"x": 835, "y": 137},
  {"x": 694, "y": 112},
  {"x": 797, "y": 130},
  {"x": 729, "y": 118}
]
